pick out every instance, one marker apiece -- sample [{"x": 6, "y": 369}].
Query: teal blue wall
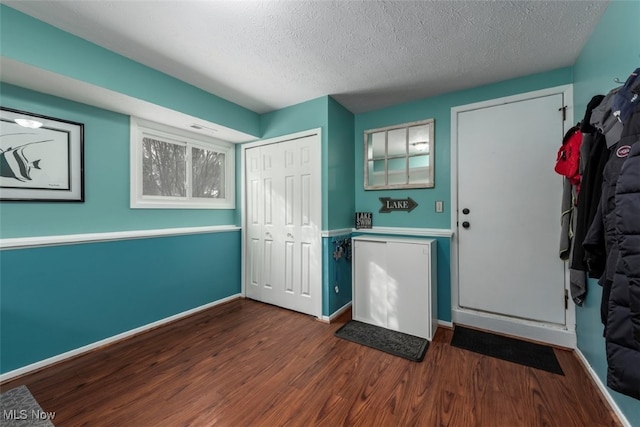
[
  {"x": 612, "y": 51},
  {"x": 335, "y": 273},
  {"x": 340, "y": 159},
  {"x": 438, "y": 108},
  {"x": 337, "y": 177},
  {"x": 297, "y": 118},
  {"x": 443, "y": 250},
  {"x": 33, "y": 42},
  {"x": 340, "y": 207},
  {"x": 56, "y": 299},
  {"x": 106, "y": 206},
  {"x": 424, "y": 216},
  {"x": 61, "y": 305}
]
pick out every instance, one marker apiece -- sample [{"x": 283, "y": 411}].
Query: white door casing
[
  {"x": 506, "y": 273},
  {"x": 282, "y": 214}
]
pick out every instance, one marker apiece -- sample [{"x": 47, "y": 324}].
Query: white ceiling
[{"x": 266, "y": 55}]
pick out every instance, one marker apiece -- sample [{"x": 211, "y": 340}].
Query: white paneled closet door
[{"x": 283, "y": 224}]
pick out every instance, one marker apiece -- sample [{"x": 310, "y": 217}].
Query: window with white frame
[
  {"x": 174, "y": 168},
  {"x": 399, "y": 156}
]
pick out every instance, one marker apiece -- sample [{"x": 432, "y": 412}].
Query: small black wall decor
[{"x": 364, "y": 220}]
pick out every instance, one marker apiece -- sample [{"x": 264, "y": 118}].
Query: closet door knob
[
  {"x": 465, "y": 211},
  {"x": 289, "y": 235},
  {"x": 466, "y": 224}
]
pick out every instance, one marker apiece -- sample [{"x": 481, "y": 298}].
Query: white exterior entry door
[
  {"x": 283, "y": 213},
  {"x": 508, "y": 217}
]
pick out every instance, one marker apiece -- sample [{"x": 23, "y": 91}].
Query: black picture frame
[{"x": 40, "y": 164}]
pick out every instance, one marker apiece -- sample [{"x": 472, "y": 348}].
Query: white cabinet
[{"x": 394, "y": 284}]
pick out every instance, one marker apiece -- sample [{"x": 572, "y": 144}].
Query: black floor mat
[
  {"x": 392, "y": 342},
  {"x": 505, "y": 348}
]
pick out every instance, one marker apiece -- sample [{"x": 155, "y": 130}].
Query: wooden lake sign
[{"x": 390, "y": 205}]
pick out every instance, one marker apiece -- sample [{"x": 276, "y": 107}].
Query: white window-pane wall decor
[{"x": 399, "y": 156}]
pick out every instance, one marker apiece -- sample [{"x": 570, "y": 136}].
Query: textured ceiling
[{"x": 266, "y": 55}]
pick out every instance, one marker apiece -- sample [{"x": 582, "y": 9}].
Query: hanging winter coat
[
  {"x": 599, "y": 238},
  {"x": 593, "y": 155},
  {"x": 622, "y": 332},
  {"x": 601, "y": 249}
]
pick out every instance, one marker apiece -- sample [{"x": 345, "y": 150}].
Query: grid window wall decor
[{"x": 399, "y": 156}]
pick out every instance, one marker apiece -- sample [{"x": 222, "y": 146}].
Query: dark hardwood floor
[{"x": 246, "y": 363}]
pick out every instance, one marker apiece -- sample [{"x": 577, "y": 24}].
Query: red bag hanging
[{"x": 568, "y": 158}]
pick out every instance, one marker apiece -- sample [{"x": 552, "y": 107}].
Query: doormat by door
[
  {"x": 510, "y": 349},
  {"x": 392, "y": 342},
  {"x": 18, "y": 408}
]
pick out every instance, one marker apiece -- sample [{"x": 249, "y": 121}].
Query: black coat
[
  {"x": 588, "y": 198},
  {"x": 622, "y": 332},
  {"x": 593, "y": 157},
  {"x": 600, "y": 243}
]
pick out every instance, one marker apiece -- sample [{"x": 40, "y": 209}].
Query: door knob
[
  {"x": 289, "y": 235},
  {"x": 466, "y": 224},
  {"x": 268, "y": 234},
  {"x": 465, "y": 211}
]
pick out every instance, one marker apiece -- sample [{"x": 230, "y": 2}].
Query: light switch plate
[{"x": 439, "y": 206}]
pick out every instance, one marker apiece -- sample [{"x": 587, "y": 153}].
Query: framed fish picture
[{"x": 41, "y": 158}]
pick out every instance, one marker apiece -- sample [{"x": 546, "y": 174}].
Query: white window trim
[{"x": 140, "y": 127}]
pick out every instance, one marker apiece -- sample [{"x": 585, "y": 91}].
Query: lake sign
[{"x": 391, "y": 205}]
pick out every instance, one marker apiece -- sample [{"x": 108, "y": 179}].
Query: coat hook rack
[{"x": 617, "y": 80}]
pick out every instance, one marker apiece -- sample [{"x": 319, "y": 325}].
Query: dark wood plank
[{"x": 247, "y": 363}]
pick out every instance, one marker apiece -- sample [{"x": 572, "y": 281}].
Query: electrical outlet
[{"x": 439, "y": 206}]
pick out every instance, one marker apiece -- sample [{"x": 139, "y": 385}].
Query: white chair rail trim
[
  {"x": 336, "y": 232},
  {"x": 70, "y": 239},
  {"x": 404, "y": 231}
]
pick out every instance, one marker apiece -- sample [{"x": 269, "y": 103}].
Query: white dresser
[{"x": 394, "y": 284}]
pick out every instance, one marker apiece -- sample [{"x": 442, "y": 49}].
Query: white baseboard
[
  {"x": 521, "y": 328},
  {"x": 603, "y": 389},
  {"x": 89, "y": 347},
  {"x": 445, "y": 324},
  {"x": 329, "y": 319}
]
